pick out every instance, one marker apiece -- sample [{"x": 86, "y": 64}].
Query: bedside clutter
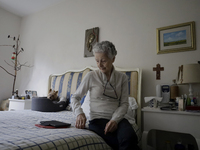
[
  {"x": 181, "y": 103},
  {"x": 184, "y": 103}
]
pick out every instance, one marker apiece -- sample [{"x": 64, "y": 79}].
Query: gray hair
[{"x": 105, "y": 47}]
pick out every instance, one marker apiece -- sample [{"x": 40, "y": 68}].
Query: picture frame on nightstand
[
  {"x": 34, "y": 93},
  {"x": 30, "y": 94}
]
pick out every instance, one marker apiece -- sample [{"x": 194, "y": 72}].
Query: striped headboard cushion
[
  {"x": 132, "y": 83},
  {"x": 67, "y": 83}
]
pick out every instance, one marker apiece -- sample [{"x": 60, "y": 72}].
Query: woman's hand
[
  {"x": 111, "y": 126},
  {"x": 80, "y": 121}
]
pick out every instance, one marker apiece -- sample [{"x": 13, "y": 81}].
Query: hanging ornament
[{"x": 13, "y": 56}]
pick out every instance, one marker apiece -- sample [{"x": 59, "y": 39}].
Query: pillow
[
  {"x": 82, "y": 100},
  {"x": 86, "y": 105},
  {"x": 131, "y": 113},
  {"x": 69, "y": 107}
]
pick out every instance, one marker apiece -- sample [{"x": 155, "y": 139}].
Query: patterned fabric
[
  {"x": 18, "y": 131},
  {"x": 132, "y": 83},
  {"x": 67, "y": 84}
]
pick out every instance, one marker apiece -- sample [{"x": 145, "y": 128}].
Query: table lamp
[{"x": 189, "y": 74}]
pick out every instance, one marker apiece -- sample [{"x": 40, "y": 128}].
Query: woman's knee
[{"x": 126, "y": 134}]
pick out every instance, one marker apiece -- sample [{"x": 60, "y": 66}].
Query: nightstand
[
  {"x": 19, "y": 104},
  {"x": 173, "y": 121}
]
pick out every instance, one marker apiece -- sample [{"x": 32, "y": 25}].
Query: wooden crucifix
[{"x": 158, "y": 69}]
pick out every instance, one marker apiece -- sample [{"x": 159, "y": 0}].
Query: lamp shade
[{"x": 189, "y": 74}]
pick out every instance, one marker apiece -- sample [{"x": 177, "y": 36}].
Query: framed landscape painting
[{"x": 176, "y": 38}]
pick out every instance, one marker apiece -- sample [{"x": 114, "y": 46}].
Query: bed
[{"x": 18, "y": 130}]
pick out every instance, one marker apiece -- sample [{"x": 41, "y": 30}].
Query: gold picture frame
[
  {"x": 91, "y": 37},
  {"x": 176, "y": 38}
]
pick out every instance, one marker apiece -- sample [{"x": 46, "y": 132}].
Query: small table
[
  {"x": 175, "y": 121},
  {"x": 19, "y": 104}
]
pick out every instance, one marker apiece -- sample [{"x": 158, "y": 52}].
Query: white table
[
  {"x": 175, "y": 121},
  {"x": 19, "y": 104}
]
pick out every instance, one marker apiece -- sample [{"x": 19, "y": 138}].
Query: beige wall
[
  {"x": 9, "y": 25},
  {"x": 54, "y": 38}
]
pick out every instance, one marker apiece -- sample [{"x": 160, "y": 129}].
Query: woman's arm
[
  {"x": 80, "y": 92},
  {"x": 75, "y": 101}
]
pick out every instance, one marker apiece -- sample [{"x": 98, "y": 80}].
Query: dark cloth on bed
[{"x": 124, "y": 138}]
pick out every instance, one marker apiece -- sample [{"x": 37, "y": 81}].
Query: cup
[
  {"x": 177, "y": 99},
  {"x": 181, "y": 106},
  {"x": 155, "y": 105}
]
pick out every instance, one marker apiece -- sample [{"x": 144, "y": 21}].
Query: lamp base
[{"x": 190, "y": 92}]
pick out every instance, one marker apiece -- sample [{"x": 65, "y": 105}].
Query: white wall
[
  {"x": 9, "y": 25},
  {"x": 54, "y": 38}
]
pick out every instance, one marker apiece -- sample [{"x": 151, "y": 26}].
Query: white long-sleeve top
[{"x": 102, "y": 106}]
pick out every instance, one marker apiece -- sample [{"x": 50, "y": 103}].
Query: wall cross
[{"x": 158, "y": 69}]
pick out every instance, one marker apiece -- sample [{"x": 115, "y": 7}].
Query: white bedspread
[{"x": 18, "y": 131}]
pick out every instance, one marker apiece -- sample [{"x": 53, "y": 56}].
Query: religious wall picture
[
  {"x": 91, "y": 37},
  {"x": 158, "y": 69},
  {"x": 176, "y": 38}
]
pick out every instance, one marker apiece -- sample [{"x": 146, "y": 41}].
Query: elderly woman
[{"x": 108, "y": 90}]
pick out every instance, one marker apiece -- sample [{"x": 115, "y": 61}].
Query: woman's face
[{"x": 104, "y": 63}]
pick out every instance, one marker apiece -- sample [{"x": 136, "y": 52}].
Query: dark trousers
[{"x": 124, "y": 138}]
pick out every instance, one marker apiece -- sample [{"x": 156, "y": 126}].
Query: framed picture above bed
[
  {"x": 91, "y": 37},
  {"x": 176, "y": 38}
]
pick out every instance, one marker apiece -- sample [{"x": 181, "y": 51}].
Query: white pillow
[
  {"x": 131, "y": 113},
  {"x": 86, "y": 105}
]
